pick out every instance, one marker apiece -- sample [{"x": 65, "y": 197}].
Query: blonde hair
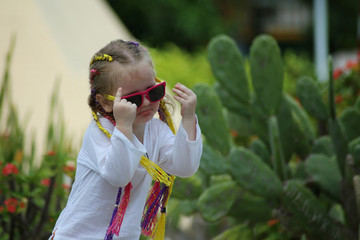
[{"x": 110, "y": 64}]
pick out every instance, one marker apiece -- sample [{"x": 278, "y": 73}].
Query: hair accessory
[
  {"x": 103, "y": 57},
  {"x": 93, "y": 73},
  {"x": 135, "y": 43}
]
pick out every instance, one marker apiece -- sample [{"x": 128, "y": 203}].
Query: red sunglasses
[{"x": 153, "y": 94}]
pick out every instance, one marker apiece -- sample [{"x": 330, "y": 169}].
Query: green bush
[
  {"x": 271, "y": 159},
  {"x": 175, "y": 65},
  {"x": 187, "y": 23},
  {"x": 347, "y": 83},
  {"x": 33, "y": 191}
]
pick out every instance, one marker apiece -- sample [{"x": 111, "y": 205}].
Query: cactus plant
[{"x": 305, "y": 178}]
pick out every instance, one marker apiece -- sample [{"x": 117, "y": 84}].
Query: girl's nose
[{"x": 146, "y": 101}]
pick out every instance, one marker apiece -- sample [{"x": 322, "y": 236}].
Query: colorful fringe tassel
[
  {"x": 155, "y": 171},
  {"x": 151, "y": 208},
  {"x": 151, "y": 224},
  {"x": 119, "y": 212}
]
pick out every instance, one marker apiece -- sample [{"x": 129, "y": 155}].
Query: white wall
[{"x": 54, "y": 40}]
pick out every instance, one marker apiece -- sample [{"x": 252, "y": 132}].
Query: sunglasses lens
[
  {"x": 156, "y": 94},
  {"x": 137, "y": 99}
]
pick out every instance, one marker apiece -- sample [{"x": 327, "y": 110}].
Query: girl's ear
[{"x": 106, "y": 104}]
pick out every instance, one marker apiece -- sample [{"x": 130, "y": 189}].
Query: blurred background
[{"x": 50, "y": 44}]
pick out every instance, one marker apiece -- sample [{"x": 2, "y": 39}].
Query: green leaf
[
  {"x": 310, "y": 98},
  {"x": 187, "y": 188},
  {"x": 239, "y": 232},
  {"x": 301, "y": 118},
  {"x": 325, "y": 172},
  {"x": 260, "y": 149},
  {"x": 253, "y": 174},
  {"x": 251, "y": 208},
  {"x": 305, "y": 214},
  {"x": 339, "y": 143},
  {"x": 228, "y": 66},
  {"x": 267, "y": 72},
  {"x": 231, "y": 103},
  {"x": 350, "y": 119},
  {"x": 217, "y": 200},
  {"x": 211, "y": 119},
  {"x": 324, "y": 146},
  {"x": 277, "y": 152},
  {"x": 211, "y": 161},
  {"x": 354, "y": 149}
]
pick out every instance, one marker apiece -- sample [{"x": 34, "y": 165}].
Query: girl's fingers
[
  {"x": 179, "y": 93},
  {"x": 118, "y": 94},
  {"x": 181, "y": 88},
  {"x": 179, "y": 99}
]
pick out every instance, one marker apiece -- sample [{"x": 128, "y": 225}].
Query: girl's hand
[
  {"x": 124, "y": 114},
  {"x": 187, "y": 99}
]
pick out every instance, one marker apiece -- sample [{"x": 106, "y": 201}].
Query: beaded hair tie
[
  {"x": 103, "y": 57},
  {"x": 93, "y": 72},
  {"x": 135, "y": 43}
]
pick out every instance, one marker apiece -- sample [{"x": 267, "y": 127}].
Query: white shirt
[{"x": 105, "y": 164}]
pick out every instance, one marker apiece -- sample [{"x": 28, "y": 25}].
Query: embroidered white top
[{"x": 105, "y": 164}]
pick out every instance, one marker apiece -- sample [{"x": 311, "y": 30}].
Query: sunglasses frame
[{"x": 142, "y": 94}]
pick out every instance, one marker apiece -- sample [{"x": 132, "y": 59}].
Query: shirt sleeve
[
  {"x": 180, "y": 156},
  {"x": 115, "y": 159}
]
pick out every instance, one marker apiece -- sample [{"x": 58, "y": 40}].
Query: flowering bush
[
  {"x": 31, "y": 195},
  {"x": 347, "y": 83}
]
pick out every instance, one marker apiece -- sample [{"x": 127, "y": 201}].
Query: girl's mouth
[{"x": 145, "y": 112}]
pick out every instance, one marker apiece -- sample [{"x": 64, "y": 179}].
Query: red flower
[
  {"x": 338, "y": 98},
  {"x": 45, "y": 182},
  {"x": 69, "y": 168},
  {"x": 66, "y": 186},
  {"x": 22, "y": 205},
  {"x": 337, "y": 73},
  {"x": 51, "y": 153},
  {"x": 9, "y": 169},
  {"x": 351, "y": 64},
  {"x": 11, "y": 204},
  {"x": 234, "y": 133},
  {"x": 1, "y": 209},
  {"x": 272, "y": 222}
]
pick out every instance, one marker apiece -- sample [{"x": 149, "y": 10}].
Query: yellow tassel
[
  {"x": 152, "y": 168},
  {"x": 159, "y": 233},
  {"x": 155, "y": 171}
]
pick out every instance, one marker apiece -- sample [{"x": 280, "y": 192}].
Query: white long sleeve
[{"x": 104, "y": 165}]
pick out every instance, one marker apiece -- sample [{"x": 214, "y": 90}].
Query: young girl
[{"x": 125, "y": 150}]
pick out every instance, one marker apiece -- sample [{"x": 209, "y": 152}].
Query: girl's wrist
[
  {"x": 189, "y": 117},
  {"x": 127, "y": 131},
  {"x": 189, "y": 124}
]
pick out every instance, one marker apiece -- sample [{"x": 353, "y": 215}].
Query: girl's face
[{"x": 139, "y": 82}]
